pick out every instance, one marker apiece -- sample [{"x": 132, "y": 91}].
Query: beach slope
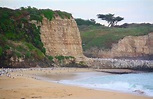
[{"x": 26, "y": 86}]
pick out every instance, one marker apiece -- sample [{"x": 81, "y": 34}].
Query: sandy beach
[{"x": 28, "y": 84}]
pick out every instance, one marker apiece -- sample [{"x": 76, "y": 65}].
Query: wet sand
[{"x": 30, "y": 84}]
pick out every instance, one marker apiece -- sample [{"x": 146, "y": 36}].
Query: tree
[
  {"x": 86, "y": 22},
  {"x": 117, "y": 19},
  {"x": 111, "y": 20},
  {"x": 92, "y": 20}
]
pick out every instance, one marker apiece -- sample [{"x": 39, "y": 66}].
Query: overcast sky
[{"x": 133, "y": 11}]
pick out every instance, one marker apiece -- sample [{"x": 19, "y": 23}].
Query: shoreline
[{"x": 27, "y": 84}]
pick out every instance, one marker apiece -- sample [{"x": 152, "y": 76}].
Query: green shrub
[
  {"x": 82, "y": 63},
  {"x": 34, "y": 52},
  {"x": 24, "y": 20},
  {"x": 28, "y": 54},
  {"x": 69, "y": 57},
  {"x": 83, "y": 22},
  {"x": 38, "y": 18},
  {"x": 1, "y": 50},
  {"x": 30, "y": 46},
  {"x": 48, "y": 14},
  {"x": 18, "y": 54},
  {"x": 50, "y": 58},
  {"x": 64, "y": 14},
  {"x": 38, "y": 54},
  {"x": 6, "y": 47},
  {"x": 10, "y": 35},
  {"x": 3, "y": 40},
  {"x": 44, "y": 50},
  {"x": 60, "y": 57},
  {"x": 20, "y": 48}
]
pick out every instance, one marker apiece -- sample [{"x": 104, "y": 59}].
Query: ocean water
[{"x": 130, "y": 83}]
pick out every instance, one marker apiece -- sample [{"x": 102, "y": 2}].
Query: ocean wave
[{"x": 131, "y": 83}]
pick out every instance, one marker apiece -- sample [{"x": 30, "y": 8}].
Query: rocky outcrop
[
  {"x": 61, "y": 37},
  {"x": 103, "y": 63},
  {"x": 131, "y": 46}
]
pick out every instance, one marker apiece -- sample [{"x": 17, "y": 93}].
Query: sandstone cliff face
[
  {"x": 131, "y": 46},
  {"x": 128, "y": 47},
  {"x": 61, "y": 37}
]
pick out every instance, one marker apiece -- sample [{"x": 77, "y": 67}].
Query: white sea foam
[{"x": 132, "y": 83}]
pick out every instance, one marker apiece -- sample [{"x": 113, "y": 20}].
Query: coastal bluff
[
  {"x": 131, "y": 52},
  {"x": 31, "y": 37},
  {"x": 135, "y": 47},
  {"x": 132, "y": 46},
  {"x": 46, "y": 38},
  {"x": 61, "y": 37}
]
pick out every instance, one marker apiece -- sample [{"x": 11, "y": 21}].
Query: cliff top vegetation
[{"x": 103, "y": 37}]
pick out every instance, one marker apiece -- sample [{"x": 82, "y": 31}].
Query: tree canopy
[
  {"x": 80, "y": 22},
  {"x": 110, "y": 18}
]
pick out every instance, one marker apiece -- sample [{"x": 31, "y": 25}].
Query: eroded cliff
[
  {"x": 61, "y": 37},
  {"x": 30, "y": 37},
  {"x": 131, "y": 46}
]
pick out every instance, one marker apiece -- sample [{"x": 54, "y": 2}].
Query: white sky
[{"x": 133, "y": 11}]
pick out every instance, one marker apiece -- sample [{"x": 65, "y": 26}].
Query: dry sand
[{"x": 24, "y": 84}]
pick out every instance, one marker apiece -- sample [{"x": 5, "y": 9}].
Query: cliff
[
  {"x": 131, "y": 47},
  {"x": 61, "y": 37},
  {"x": 31, "y": 37}
]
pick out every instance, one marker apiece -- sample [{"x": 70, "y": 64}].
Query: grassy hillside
[
  {"x": 19, "y": 38},
  {"x": 103, "y": 37}
]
